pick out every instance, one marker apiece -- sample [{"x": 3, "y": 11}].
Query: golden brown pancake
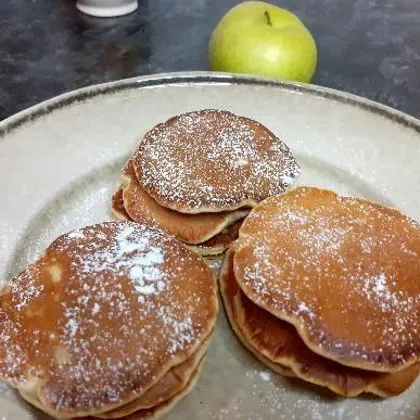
[
  {"x": 173, "y": 382},
  {"x": 228, "y": 291},
  {"x": 344, "y": 271},
  {"x": 155, "y": 412},
  {"x": 214, "y": 246},
  {"x": 279, "y": 342},
  {"x": 188, "y": 228},
  {"x": 162, "y": 409},
  {"x": 103, "y": 314},
  {"x": 212, "y": 161}
]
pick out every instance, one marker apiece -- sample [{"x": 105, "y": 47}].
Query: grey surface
[{"x": 367, "y": 47}]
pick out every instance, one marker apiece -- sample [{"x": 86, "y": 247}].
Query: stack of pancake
[
  {"x": 327, "y": 289},
  {"x": 112, "y": 321},
  {"x": 198, "y": 174}
]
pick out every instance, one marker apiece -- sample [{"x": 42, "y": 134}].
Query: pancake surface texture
[
  {"x": 188, "y": 228},
  {"x": 102, "y": 316},
  {"x": 279, "y": 343},
  {"x": 212, "y": 161},
  {"x": 344, "y": 271}
]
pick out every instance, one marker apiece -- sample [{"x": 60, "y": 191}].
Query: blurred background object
[
  {"x": 367, "y": 47},
  {"x": 107, "y": 8}
]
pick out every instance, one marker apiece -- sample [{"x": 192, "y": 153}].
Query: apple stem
[{"x": 267, "y": 17}]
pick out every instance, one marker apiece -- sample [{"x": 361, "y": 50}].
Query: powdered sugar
[
  {"x": 343, "y": 256},
  {"x": 284, "y": 399},
  {"x": 130, "y": 254},
  {"x": 265, "y": 376},
  {"x": 76, "y": 233},
  {"x": 377, "y": 288},
  {"x": 30, "y": 292},
  {"x": 124, "y": 309},
  {"x": 213, "y": 159}
]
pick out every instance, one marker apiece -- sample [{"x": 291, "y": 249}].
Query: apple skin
[{"x": 244, "y": 42}]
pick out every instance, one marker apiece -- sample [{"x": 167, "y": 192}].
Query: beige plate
[{"x": 60, "y": 163}]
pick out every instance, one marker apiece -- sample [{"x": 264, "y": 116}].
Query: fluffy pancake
[
  {"x": 173, "y": 382},
  {"x": 152, "y": 413},
  {"x": 212, "y": 161},
  {"x": 103, "y": 314},
  {"x": 214, "y": 246},
  {"x": 188, "y": 228},
  {"x": 279, "y": 342},
  {"x": 344, "y": 271},
  {"x": 160, "y": 410},
  {"x": 228, "y": 291}
]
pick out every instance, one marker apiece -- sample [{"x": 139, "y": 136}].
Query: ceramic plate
[{"x": 60, "y": 162}]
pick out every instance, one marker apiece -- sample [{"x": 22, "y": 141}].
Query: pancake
[
  {"x": 212, "y": 161},
  {"x": 153, "y": 413},
  {"x": 173, "y": 382},
  {"x": 213, "y": 247},
  {"x": 162, "y": 409},
  {"x": 117, "y": 205},
  {"x": 191, "y": 229},
  {"x": 279, "y": 342},
  {"x": 228, "y": 291},
  {"x": 103, "y": 314},
  {"x": 219, "y": 243},
  {"x": 344, "y": 271}
]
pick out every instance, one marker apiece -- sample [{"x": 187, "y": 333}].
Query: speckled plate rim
[{"x": 200, "y": 77}]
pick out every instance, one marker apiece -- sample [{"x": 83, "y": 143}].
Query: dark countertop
[{"x": 367, "y": 47}]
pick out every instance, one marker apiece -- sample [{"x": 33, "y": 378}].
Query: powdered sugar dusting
[
  {"x": 284, "y": 399},
  {"x": 76, "y": 233},
  {"x": 377, "y": 288},
  {"x": 213, "y": 159},
  {"x": 265, "y": 376},
  {"x": 122, "y": 310},
  {"x": 22, "y": 297},
  {"x": 338, "y": 256},
  {"x": 143, "y": 267}
]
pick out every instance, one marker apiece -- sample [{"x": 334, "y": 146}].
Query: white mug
[{"x": 107, "y": 8}]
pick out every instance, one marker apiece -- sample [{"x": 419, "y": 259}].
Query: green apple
[{"x": 263, "y": 39}]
